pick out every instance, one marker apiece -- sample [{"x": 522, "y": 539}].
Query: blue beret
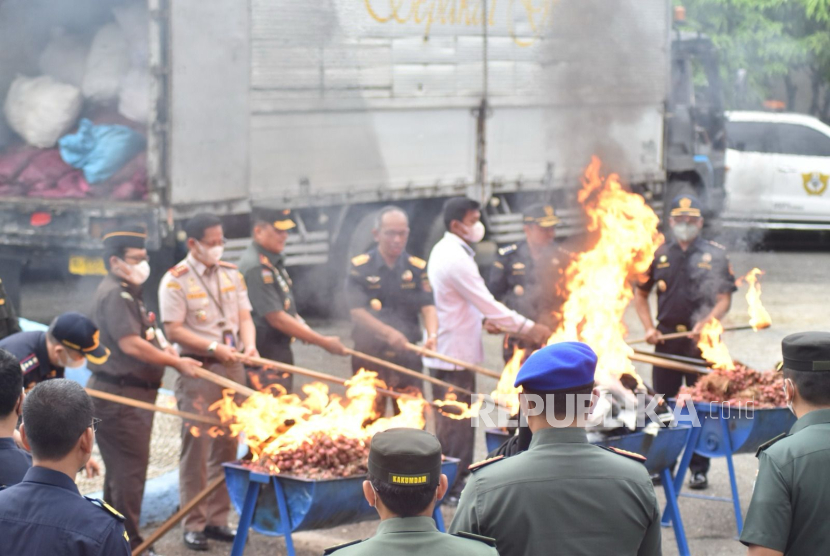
[{"x": 561, "y": 366}]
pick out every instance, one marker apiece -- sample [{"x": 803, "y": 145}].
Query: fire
[
  {"x": 458, "y": 410},
  {"x": 598, "y": 281},
  {"x": 712, "y": 347},
  {"x": 505, "y": 393},
  {"x": 758, "y": 316},
  {"x": 278, "y": 423}
]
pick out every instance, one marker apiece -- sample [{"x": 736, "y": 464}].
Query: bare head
[{"x": 391, "y": 231}]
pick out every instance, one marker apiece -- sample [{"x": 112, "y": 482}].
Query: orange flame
[
  {"x": 758, "y": 316},
  {"x": 274, "y": 423},
  {"x": 458, "y": 410},
  {"x": 712, "y": 347},
  {"x": 195, "y": 432},
  {"x": 598, "y": 281},
  {"x": 505, "y": 393}
]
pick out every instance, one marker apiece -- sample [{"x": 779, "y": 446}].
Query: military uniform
[
  {"x": 270, "y": 290},
  {"x": 409, "y": 459},
  {"x": 14, "y": 462},
  {"x": 30, "y": 349},
  {"x": 207, "y": 300},
  {"x": 124, "y": 433},
  {"x": 394, "y": 296},
  {"x": 529, "y": 287},
  {"x": 791, "y": 501},
  {"x": 46, "y": 514},
  {"x": 562, "y": 496},
  {"x": 8, "y": 319}
]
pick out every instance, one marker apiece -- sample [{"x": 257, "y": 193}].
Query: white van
[{"x": 778, "y": 171}]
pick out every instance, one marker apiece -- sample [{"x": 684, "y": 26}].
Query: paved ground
[{"x": 794, "y": 290}]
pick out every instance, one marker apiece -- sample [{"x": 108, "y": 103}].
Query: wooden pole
[
  {"x": 469, "y": 366},
  {"x": 408, "y": 372},
  {"x": 225, "y": 382},
  {"x": 151, "y": 407},
  {"x": 679, "y": 358},
  {"x": 669, "y": 364},
  {"x": 175, "y": 518},
  {"x": 675, "y": 335}
]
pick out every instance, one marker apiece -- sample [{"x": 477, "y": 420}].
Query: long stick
[
  {"x": 669, "y": 364},
  {"x": 151, "y": 407},
  {"x": 678, "y": 358},
  {"x": 408, "y": 372},
  {"x": 225, "y": 382},
  {"x": 176, "y": 517},
  {"x": 675, "y": 335},
  {"x": 469, "y": 366}
]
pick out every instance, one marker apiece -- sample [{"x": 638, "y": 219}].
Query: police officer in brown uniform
[
  {"x": 270, "y": 290},
  {"x": 134, "y": 370},
  {"x": 205, "y": 307}
]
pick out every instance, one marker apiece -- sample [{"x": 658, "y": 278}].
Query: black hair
[
  {"x": 559, "y": 398},
  {"x": 11, "y": 382},
  {"x": 813, "y": 386},
  {"x": 457, "y": 208},
  {"x": 119, "y": 252},
  {"x": 386, "y": 210},
  {"x": 55, "y": 414},
  {"x": 404, "y": 501},
  {"x": 196, "y": 226}
]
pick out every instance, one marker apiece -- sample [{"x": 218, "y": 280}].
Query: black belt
[{"x": 127, "y": 381}]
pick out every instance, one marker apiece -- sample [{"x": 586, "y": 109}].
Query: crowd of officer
[{"x": 219, "y": 315}]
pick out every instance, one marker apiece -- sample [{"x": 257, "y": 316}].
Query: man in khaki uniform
[
  {"x": 791, "y": 501},
  {"x": 563, "y": 496},
  {"x": 205, "y": 307},
  {"x": 404, "y": 484}
]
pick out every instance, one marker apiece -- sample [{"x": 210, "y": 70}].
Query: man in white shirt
[{"x": 463, "y": 303}]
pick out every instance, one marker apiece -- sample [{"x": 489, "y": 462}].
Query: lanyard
[{"x": 216, "y": 302}]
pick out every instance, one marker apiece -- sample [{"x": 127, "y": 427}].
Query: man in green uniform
[
  {"x": 563, "y": 496},
  {"x": 134, "y": 369},
  {"x": 274, "y": 309},
  {"x": 791, "y": 502},
  {"x": 527, "y": 275},
  {"x": 403, "y": 485}
]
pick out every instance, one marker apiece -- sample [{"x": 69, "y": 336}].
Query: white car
[{"x": 778, "y": 171}]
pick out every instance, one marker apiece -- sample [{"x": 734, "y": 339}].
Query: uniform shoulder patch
[
  {"x": 106, "y": 507},
  {"x": 333, "y": 549},
  {"x": 716, "y": 244},
  {"x": 507, "y": 249},
  {"x": 361, "y": 259},
  {"x": 179, "y": 270},
  {"x": 630, "y": 455},
  {"x": 484, "y": 463},
  {"x": 227, "y": 264},
  {"x": 769, "y": 443},
  {"x": 472, "y": 536},
  {"x": 418, "y": 263},
  {"x": 127, "y": 296}
]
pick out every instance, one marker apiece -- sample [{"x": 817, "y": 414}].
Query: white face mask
[
  {"x": 474, "y": 233},
  {"x": 212, "y": 255},
  {"x": 69, "y": 363},
  {"x": 135, "y": 274},
  {"x": 685, "y": 232}
]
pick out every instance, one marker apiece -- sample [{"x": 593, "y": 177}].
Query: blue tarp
[{"x": 100, "y": 150}]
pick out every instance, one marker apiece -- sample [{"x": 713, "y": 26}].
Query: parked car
[{"x": 778, "y": 171}]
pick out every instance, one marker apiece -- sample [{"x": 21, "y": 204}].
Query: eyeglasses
[
  {"x": 94, "y": 425},
  {"x": 135, "y": 259}
]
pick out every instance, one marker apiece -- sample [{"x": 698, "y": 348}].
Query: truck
[{"x": 336, "y": 108}]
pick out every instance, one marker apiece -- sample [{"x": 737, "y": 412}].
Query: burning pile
[
  {"x": 321, "y": 436},
  {"x": 739, "y": 385}
]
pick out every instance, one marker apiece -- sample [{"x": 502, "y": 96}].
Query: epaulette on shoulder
[
  {"x": 106, "y": 507},
  {"x": 484, "y": 463},
  {"x": 417, "y": 263},
  {"x": 507, "y": 249},
  {"x": 472, "y": 536},
  {"x": 769, "y": 443},
  {"x": 716, "y": 244},
  {"x": 179, "y": 270},
  {"x": 361, "y": 259},
  {"x": 625, "y": 453},
  {"x": 227, "y": 265},
  {"x": 332, "y": 549}
]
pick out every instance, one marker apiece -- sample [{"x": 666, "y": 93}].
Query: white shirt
[{"x": 463, "y": 301}]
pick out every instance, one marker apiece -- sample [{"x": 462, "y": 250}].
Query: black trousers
[
  {"x": 668, "y": 382},
  {"x": 393, "y": 379},
  {"x": 457, "y": 436}
]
